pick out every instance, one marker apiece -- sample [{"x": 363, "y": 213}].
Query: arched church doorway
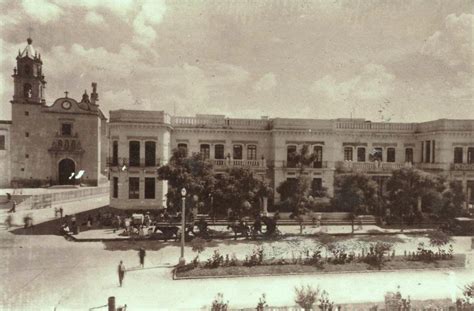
[{"x": 65, "y": 168}]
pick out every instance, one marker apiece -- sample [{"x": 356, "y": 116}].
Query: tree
[
  {"x": 241, "y": 191},
  {"x": 306, "y": 297},
  {"x": 355, "y": 193},
  {"x": 193, "y": 173},
  {"x": 218, "y": 304},
  {"x": 295, "y": 192},
  {"x": 406, "y": 187},
  {"x": 453, "y": 201}
]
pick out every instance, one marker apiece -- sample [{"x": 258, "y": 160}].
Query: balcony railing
[
  {"x": 370, "y": 166},
  {"x": 462, "y": 166},
  {"x": 120, "y": 162},
  {"x": 238, "y": 163},
  {"x": 314, "y": 165},
  {"x": 433, "y": 166}
]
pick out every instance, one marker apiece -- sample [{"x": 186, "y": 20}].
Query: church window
[
  {"x": 60, "y": 144},
  {"x": 27, "y": 89},
  {"x": 27, "y": 69},
  {"x": 66, "y": 144},
  {"x": 66, "y": 129},
  {"x": 73, "y": 145}
]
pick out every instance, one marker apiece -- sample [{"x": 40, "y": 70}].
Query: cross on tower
[{"x": 66, "y": 93}]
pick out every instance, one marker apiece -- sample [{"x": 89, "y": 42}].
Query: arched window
[
  {"x": 205, "y": 151},
  {"x": 347, "y": 153},
  {"x": 318, "y": 156},
  {"x": 390, "y": 154},
  {"x": 251, "y": 152},
  {"x": 184, "y": 149},
  {"x": 150, "y": 153},
  {"x": 134, "y": 153},
  {"x": 73, "y": 145},
  {"x": 60, "y": 144},
  {"x": 27, "y": 90},
  {"x": 66, "y": 144},
  {"x": 361, "y": 154},
  {"x": 237, "y": 152},
  {"x": 219, "y": 152}
]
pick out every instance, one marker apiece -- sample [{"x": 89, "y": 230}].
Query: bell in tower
[{"x": 28, "y": 76}]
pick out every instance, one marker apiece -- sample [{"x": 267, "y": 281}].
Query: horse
[{"x": 169, "y": 232}]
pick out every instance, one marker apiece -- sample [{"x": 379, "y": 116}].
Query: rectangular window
[
  {"x": 290, "y": 156},
  {"x": 237, "y": 152},
  {"x": 184, "y": 149},
  {"x": 422, "y": 152},
  {"x": 27, "y": 113},
  {"x": 150, "y": 153},
  {"x": 317, "y": 187},
  {"x": 149, "y": 188},
  {"x": 318, "y": 156},
  {"x": 66, "y": 129},
  {"x": 427, "y": 151},
  {"x": 458, "y": 158},
  {"x": 134, "y": 153},
  {"x": 219, "y": 152},
  {"x": 390, "y": 154},
  {"x": 27, "y": 156},
  {"x": 205, "y": 151},
  {"x": 361, "y": 154},
  {"x": 409, "y": 155},
  {"x": 470, "y": 155},
  {"x": 2, "y": 142},
  {"x": 27, "y": 134},
  {"x": 115, "y": 187},
  {"x": 115, "y": 153},
  {"x": 134, "y": 188},
  {"x": 347, "y": 153},
  {"x": 251, "y": 152},
  {"x": 376, "y": 154},
  {"x": 434, "y": 152}
]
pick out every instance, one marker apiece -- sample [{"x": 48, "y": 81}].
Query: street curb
[
  {"x": 221, "y": 237},
  {"x": 179, "y": 278}
]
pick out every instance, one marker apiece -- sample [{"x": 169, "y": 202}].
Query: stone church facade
[
  {"x": 141, "y": 141},
  {"x": 51, "y": 144}
]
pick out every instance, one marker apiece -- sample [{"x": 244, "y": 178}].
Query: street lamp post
[{"x": 182, "y": 261}]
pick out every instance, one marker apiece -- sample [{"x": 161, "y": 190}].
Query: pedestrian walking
[
  {"x": 61, "y": 212},
  {"x": 121, "y": 272},
  {"x": 142, "y": 254}
]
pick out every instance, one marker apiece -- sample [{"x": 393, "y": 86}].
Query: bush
[
  {"x": 255, "y": 259},
  {"x": 375, "y": 256},
  {"x": 306, "y": 296},
  {"x": 427, "y": 255},
  {"x": 216, "y": 261},
  {"x": 262, "y": 303},
  {"x": 315, "y": 259},
  {"x": 339, "y": 255},
  {"x": 218, "y": 304}
]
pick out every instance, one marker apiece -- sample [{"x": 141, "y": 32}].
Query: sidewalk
[{"x": 46, "y": 214}]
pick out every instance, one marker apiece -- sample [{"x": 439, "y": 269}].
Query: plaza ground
[{"x": 45, "y": 272}]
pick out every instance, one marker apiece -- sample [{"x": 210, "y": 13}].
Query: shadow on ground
[{"x": 51, "y": 227}]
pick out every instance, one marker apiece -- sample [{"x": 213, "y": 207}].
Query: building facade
[
  {"x": 141, "y": 141},
  {"x": 5, "y": 153},
  {"x": 51, "y": 144}
]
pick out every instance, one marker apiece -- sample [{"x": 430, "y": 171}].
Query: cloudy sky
[{"x": 387, "y": 60}]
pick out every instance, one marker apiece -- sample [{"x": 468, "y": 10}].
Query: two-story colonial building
[{"x": 141, "y": 141}]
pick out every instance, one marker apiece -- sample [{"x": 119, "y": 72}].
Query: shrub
[
  {"x": 216, "y": 261},
  {"x": 375, "y": 256},
  {"x": 315, "y": 259},
  {"x": 255, "y": 259},
  {"x": 306, "y": 296},
  {"x": 339, "y": 255},
  {"x": 324, "y": 303},
  {"x": 262, "y": 303},
  {"x": 218, "y": 304}
]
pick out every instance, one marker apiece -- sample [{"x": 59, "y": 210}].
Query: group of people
[{"x": 121, "y": 267}]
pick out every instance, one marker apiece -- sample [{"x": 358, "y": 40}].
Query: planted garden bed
[{"x": 281, "y": 267}]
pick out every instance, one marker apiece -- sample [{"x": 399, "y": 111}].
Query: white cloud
[
  {"x": 43, "y": 11},
  {"x": 365, "y": 94},
  {"x": 150, "y": 14},
  {"x": 94, "y": 18},
  {"x": 118, "y": 7},
  {"x": 266, "y": 83},
  {"x": 453, "y": 44}
]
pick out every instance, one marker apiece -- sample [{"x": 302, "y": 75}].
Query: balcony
[
  {"x": 378, "y": 167},
  {"x": 432, "y": 166},
  {"x": 120, "y": 162},
  {"x": 462, "y": 166},
  {"x": 314, "y": 165},
  {"x": 227, "y": 163}
]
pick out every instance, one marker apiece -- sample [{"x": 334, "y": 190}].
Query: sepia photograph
[{"x": 237, "y": 155}]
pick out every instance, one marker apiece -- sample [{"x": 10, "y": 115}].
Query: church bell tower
[{"x": 29, "y": 82}]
